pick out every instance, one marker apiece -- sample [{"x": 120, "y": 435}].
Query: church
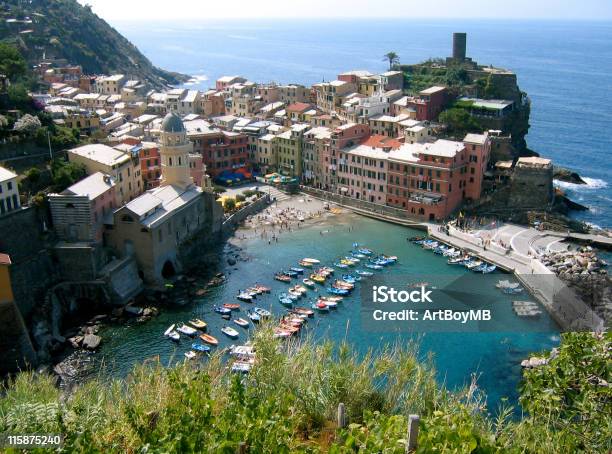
[{"x": 153, "y": 226}]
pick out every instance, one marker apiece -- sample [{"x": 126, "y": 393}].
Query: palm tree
[{"x": 392, "y": 58}]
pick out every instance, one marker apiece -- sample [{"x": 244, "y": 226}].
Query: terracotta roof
[
  {"x": 379, "y": 141},
  {"x": 5, "y": 259},
  {"x": 298, "y": 107}
]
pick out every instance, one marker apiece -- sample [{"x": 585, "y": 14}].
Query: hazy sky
[{"x": 202, "y": 9}]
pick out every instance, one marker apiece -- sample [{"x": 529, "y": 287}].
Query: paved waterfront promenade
[{"x": 514, "y": 249}]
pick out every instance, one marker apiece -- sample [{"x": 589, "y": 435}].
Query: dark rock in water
[
  {"x": 566, "y": 175},
  {"x": 231, "y": 261},
  {"x": 117, "y": 312},
  {"x": 133, "y": 310},
  {"x": 91, "y": 341}
]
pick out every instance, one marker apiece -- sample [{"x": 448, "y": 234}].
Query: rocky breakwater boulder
[{"x": 586, "y": 274}]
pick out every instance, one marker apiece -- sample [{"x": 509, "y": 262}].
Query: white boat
[
  {"x": 169, "y": 330},
  {"x": 311, "y": 261},
  {"x": 242, "y": 350},
  {"x": 173, "y": 335},
  {"x": 245, "y": 296},
  {"x": 241, "y": 367},
  {"x": 190, "y": 354},
  {"x": 261, "y": 312},
  {"x": 507, "y": 284},
  {"x": 187, "y": 330},
  {"x": 230, "y": 332}
]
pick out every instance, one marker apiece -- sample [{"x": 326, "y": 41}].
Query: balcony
[{"x": 425, "y": 198}]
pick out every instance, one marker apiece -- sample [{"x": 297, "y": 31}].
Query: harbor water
[{"x": 494, "y": 356}]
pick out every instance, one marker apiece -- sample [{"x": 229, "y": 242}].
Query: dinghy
[
  {"x": 340, "y": 265},
  {"x": 197, "y": 323},
  {"x": 364, "y": 273},
  {"x": 372, "y": 266},
  {"x": 174, "y": 336},
  {"x": 309, "y": 283},
  {"x": 321, "y": 307},
  {"x": 297, "y": 270},
  {"x": 230, "y": 332},
  {"x": 222, "y": 310},
  {"x": 303, "y": 311},
  {"x": 246, "y": 297},
  {"x": 241, "y": 322},
  {"x": 190, "y": 354},
  {"x": 169, "y": 330},
  {"x": 255, "y": 318},
  {"x": 209, "y": 339},
  {"x": 261, "y": 312},
  {"x": 232, "y": 306},
  {"x": 311, "y": 261},
  {"x": 200, "y": 347},
  {"x": 282, "y": 277},
  {"x": 186, "y": 330}
]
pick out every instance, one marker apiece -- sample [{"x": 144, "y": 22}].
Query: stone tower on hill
[{"x": 174, "y": 153}]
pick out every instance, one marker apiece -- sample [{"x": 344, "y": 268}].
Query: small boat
[
  {"x": 263, "y": 288},
  {"x": 169, "y": 330},
  {"x": 507, "y": 284},
  {"x": 232, "y": 306},
  {"x": 230, "y": 332},
  {"x": 288, "y": 302},
  {"x": 321, "y": 307},
  {"x": 305, "y": 264},
  {"x": 190, "y": 354},
  {"x": 337, "y": 291},
  {"x": 347, "y": 262},
  {"x": 309, "y": 283},
  {"x": 337, "y": 299},
  {"x": 373, "y": 266},
  {"x": 294, "y": 295},
  {"x": 358, "y": 255},
  {"x": 222, "y": 310},
  {"x": 244, "y": 296},
  {"x": 488, "y": 269},
  {"x": 261, "y": 312},
  {"x": 340, "y": 265},
  {"x": 282, "y": 277},
  {"x": 512, "y": 291},
  {"x": 365, "y": 251},
  {"x": 245, "y": 351},
  {"x": 241, "y": 322},
  {"x": 350, "y": 278},
  {"x": 312, "y": 261},
  {"x": 303, "y": 311},
  {"x": 416, "y": 239},
  {"x": 457, "y": 260},
  {"x": 200, "y": 347},
  {"x": 297, "y": 270},
  {"x": 343, "y": 284},
  {"x": 473, "y": 264},
  {"x": 352, "y": 259},
  {"x": 317, "y": 278},
  {"x": 242, "y": 367},
  {"x": 197, "y": 323},
  {"x": 186, "y": 330},
  {"x": 209, "y": 339},
  {"x": 327, "y": 270},
  {"x": 290, "y": 273},
  {"x": 255, "y": 318},
  {"x": 364, "y": 273},
  {"x": 282, "y": 333},
  {"x": 226, "y": 316},
  {"x": 174, "y": 336}
]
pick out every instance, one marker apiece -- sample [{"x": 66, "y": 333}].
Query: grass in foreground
[{"x": 288, "y": 404}]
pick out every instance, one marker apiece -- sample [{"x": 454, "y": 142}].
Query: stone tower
[{"x": 174, "y": 153}]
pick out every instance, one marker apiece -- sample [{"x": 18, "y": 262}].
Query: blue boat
[
  {"x": 285, "y": 299},
  {"x": 350, "y": 278},
  {"x": 255, "y": 318},
  {"x": 222, "y": 310},
  {"x": 290, "y": 273},
  {"x": 340, "y": 265},
  {"x": 488, "y": 269},
  {"x": 200, "y": 347},
  {"x": 297, "y": 270},
  {"x": 337, "y": 291},
  {"x": 364, "y": 273},
  {"x": 365, "y": 251}
]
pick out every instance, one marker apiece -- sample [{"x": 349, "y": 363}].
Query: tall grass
[{"x": 286, "y": 404}]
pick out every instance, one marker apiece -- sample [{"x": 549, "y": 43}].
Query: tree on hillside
[
  {"x": 12, "y": 63},
  {"x": 28, "y": 124},
  {"x": 65, "y": 174},
  {"x": 459, "y": 121},
  {"x": 392, "y": 58}
]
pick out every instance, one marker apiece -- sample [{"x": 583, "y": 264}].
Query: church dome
[{"x": 172, "y": 123}]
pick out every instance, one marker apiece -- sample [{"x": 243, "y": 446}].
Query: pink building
[
  {"x": 342, "y": 136},
  {"x": 362, "y": 169},
  {"x": 79, "y": 211},
  {"x": 196, "y": 168}
]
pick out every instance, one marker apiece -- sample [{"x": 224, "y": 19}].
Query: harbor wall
[
  {"x": 236, "y": 218},
  {"x": 373, "y": 210}
]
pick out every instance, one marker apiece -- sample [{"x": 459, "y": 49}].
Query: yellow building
[
  {"x": 289, "y": 150},
  {"x": 123, "y": 167}
]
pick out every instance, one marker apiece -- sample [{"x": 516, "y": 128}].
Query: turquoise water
[
  {"x": 564, "y": 66},
  {"x": 495, "y": 356}
]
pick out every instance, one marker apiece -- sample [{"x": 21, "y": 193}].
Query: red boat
[
  {"x": 282, "y": 277},
  {"x": 232, "y": 306}
]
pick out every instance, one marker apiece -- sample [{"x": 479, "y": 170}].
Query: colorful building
[{"x": 9, "y": 192}]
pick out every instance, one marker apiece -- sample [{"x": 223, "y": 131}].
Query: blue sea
[{"x": 565, "y": 67}]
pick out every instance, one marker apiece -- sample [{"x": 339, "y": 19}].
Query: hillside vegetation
[
  {"x": 66, "y": 29},
  {"x": 289, "y": 400}
]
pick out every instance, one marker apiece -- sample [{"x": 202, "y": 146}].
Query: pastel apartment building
[
  {"x": 9, "y": 192},
  {"x": 79, "y": 212},
  {"x": 330, "y": 95},
  {"x": 221, "y": 150},
  {"x": 316, "y": 145},
  {"x": 123, "y": 167},
  {"x": 224, "y": 82},
  {"x": 362, "y": 169},
  {"x": 110, "y": 85}
]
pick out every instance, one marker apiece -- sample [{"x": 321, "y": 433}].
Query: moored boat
[
  {"x": 297, "y": 270},
  {"x": 230, "y": 332},
  {"x": 232, "y": 306},
  {"x": 174, "y": 336},
  {"x": 186, "y": 330},
  {"x": 321, "y": 307},
  {"x": 197, "y": 323},
  {"x": 209, "y": 339},
  {"x": 169, "y": 329},
  {"x": 282, "y": 277},
  {"x": 373, "y": 266},
  {"x": 303, "y": 311},
  {"x": 364, "y": 273},
  {"x": 246, "y": 297},
  {"x": 200, "y": 347},
  {"x": 310, "y": 260},
  {"x": 340, "y": 265},
  {"x": 222, "y": 310},
  {"x": 190, "y": 354},
  {"x": 263, "y": 313},
  {"x": 241, "y": 322},
  {"x": 308, "y": 282},
  {"x": 255, "y": 318}
]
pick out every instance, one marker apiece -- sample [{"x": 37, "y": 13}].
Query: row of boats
[{"x": 455, "y": 256}]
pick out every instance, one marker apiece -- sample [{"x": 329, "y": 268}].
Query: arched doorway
[{"x": 168, "y": 270}]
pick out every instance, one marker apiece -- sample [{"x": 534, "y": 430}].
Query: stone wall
[
  {"x": 531, "y": 187},
  {"x": 16, "y": 350},
  {"x": 23, "y": 237},
  {"x": 235, "y": 219}
]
